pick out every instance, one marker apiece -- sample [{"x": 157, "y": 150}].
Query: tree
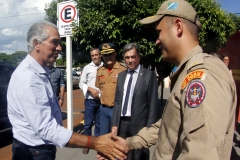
[
  {"x": 235, "y": 19},
  {"x": 17, "y": 57},
  {"x": 60, "y": 62},
  {"x": 14, "y": 58},
  {"x": 117, "y": 21},
  {"x": 217, "y": 26},
  {"x": 4, "y": 57}
]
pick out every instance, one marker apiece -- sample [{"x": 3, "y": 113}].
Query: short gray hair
[
  {"x": 38, "y": 31},
  {"x": 131, "y": 46}
]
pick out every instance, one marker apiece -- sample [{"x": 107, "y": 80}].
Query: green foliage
[
  {"x": 117, "y": 21},
  {"x": 51, "y": 11},
  {"x": 60, "y": 62},
  {"x": 235, "y": 19},
  {"x": 217, "y": 27},
  {"x": 14, "y": 58}
]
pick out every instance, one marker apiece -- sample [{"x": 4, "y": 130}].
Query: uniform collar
[
  {"x": 115, "y": 66},
  {"x": 192, "y": 57}
]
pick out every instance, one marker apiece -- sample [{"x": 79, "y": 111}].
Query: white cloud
[{"x": 13, "y": 27}]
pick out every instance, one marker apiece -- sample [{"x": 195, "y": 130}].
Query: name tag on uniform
[
  {"x": 101, "y": 76},
  {"x": 198, "y": 74},
  {"x": 115, "y": 75}
]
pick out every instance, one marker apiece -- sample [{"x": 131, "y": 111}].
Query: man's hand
[
  {"x": 100, "y": 156},
  {"x": 94, "y": 92},
  {"x": 114, "y": 130},
  {"x": 109, "y": 147},
  {"x": 122, "y": 142},
  {"x": 60, "y": 102}
]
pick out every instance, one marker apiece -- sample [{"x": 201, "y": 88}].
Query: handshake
[{"x": 110, "y": 146}]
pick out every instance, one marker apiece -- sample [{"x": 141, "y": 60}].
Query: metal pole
[{"x": 69, "y": 83}]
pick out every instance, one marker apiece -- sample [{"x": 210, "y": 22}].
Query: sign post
[{"x": 67, "y": 14}]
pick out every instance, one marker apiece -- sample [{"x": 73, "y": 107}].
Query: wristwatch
[{"x": 61, "y": 98}]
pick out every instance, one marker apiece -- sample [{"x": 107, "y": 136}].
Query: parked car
[
  {"x": 75, "y": 78},
  {"x": 6, "y": 71},
  {"x": 79, "y": 71}
]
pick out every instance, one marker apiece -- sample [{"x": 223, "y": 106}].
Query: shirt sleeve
[
  {"x": 146, "y": 137},
  {"x": 208, "y": 127},
  {"x": 97, "y": 80},
  {"x": 62, "y": 82},
  {"x": 83, "y": 82},
  {"x": 42, "y": 113}
]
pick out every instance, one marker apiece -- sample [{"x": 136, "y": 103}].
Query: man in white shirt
[
  {"x": 33, "y": 109},
  {"x": 91, "y": 94}
]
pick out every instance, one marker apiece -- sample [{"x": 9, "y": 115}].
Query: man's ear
[
  {"x": 178, "y": 24},
  {"x": 36, "y": 44}
]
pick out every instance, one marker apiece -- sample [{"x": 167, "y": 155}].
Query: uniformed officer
[
  {"x": 198, "y": 119},
  {"x": 106, "y": 81}
]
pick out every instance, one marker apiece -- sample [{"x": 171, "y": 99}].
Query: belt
[
  {"x": 125, "y": 118},
  {"x": 103, "y": 105},
  {"x": 45, "y": 146}
]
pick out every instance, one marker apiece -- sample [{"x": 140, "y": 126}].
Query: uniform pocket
[
  {"x": 101, "y": 81},
  {"x": 114, "y": 79},
  {"x": 193, "y": 121},
  {"x": 170, "y": 127}
]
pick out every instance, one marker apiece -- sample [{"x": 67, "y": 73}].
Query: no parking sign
[{"x": 67, "y": 14}]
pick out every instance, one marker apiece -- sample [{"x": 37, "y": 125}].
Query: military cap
[
  {"x": 178, "y": 8},
  {"x": 107, "y": 48}
]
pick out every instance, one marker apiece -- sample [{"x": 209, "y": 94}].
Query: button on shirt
[
  {"x": 57, "y": 80},
  {"x": 134, "y": 80},
  {"x": 32, "y": 106},
  {"x": 88, "y": 79}
]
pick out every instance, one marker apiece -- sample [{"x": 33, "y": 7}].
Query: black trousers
[
  {"x": 126, "y": 131},
  {"x": 22, "y": 151}
]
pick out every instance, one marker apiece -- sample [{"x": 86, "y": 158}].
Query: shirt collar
[
  {"x": 37, "y": 66},
  {"x": 92, "y": 64},
  {"x": 136, "y": 70}
]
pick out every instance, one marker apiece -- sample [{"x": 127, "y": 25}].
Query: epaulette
[
  {"x": 195, "y": 60},
  {"x": 123, "y": 64},
  {"x": 101, "y": 66}
]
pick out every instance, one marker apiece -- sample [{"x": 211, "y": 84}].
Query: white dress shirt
[
  {"x": 33, "y": 109},
  {"x": 88, "y": 79},
  {"x": 134, "y": 80}
]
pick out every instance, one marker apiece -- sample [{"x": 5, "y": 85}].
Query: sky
[{"x": 17, "y": 16}]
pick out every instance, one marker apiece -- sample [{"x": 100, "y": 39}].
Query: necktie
[{"x": 124, "y": 110}]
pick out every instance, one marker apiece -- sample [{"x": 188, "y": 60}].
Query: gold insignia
[
  {"x": 198, "y": 74},
  {"x": 197, "y": 59},
  {"x": 105, "y": 46}
]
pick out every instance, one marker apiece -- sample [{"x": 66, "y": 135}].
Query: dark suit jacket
[{"x": 144, "y": 101}]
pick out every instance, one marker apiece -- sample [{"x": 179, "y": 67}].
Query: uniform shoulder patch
[
  {"x": 197, "y": 74},
  {"x": 195, "y": 94},
  {"x": 100, "y": 67},
  {"x": 196, "y": 60},
  {"x": 123, "y": 64}
]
